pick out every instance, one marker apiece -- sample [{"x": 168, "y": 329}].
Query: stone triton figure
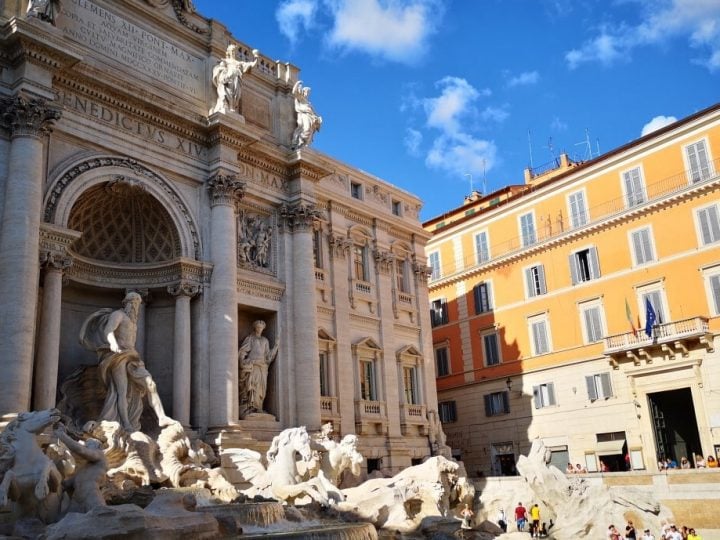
[
  {"x": 255, "y": 357},
  {"x": 111, "y": 334},
  {"x": 227, "y": 78}
]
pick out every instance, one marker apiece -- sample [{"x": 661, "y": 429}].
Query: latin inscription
[
  {"x": 120, "y": 120},
  {"x": 119, "y": 39},
  {"x": 254, "y": 174}
]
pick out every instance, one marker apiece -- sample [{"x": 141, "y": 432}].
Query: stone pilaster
[
  {"x": 297, "y": 220},
  {"x": 27, "y": 121},
  {"x": 182, "y": 347},
  {"x": 225, "y": 190}
]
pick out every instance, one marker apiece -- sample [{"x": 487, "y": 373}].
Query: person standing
[
  {"x": 535, "y": 517},
  {"x": 466, "y": 515},
  {"x": 502, "y": 520},
  {"x": 520, "y": 517},
  {"x": 647, "y": 535},
  {"x": 630, "y": 533}
]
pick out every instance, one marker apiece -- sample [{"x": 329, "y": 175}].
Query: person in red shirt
[{"x": 520, "y": 516}]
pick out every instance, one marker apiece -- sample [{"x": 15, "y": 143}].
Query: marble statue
[
  {"x": 90, "y": 469},
  {"x": 111, "y": 334},
  {"x": 255, "y": 357},
  {"x": 336, "y": 458},
  {"x": 45, "y": 10},
  {"x": 281, "y": 479},
  {"x": 308, "y": 121},
  {"x": 29, "y": 477},
  {"x": 227, "y": 78},
  {"x": 254, "y": 241}
]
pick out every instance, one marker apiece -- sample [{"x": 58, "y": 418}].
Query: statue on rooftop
[
  {"x": 308, "y": 121},
  {"x": 227, "y": 78},
  {"x": 45, "y": 10}
]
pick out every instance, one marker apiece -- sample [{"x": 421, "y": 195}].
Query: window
[
  {"x": 491, "y": 349},
  {"x": 539, "y": 335},
  {"x": 434, "y": 262},
  {"x": 368, "y": 391},
  {"x": 578, "y": 209},
  {"x": 709, "y": 224},
  {"x": 698, "y": 162},
  {"x": 483, "y": 298},
  {"x": 598, "y": 386},
  {"x": 410, "y": 385},
  {"x": 317, "y": 248},
  {"x": 438, "y": 312},
  {"x": 324, "y": 375},
  {"x": 655, "y": 298},
  {"x": 592, "y": 321},
  {"x": 401, "y": 275},
  {"x": 497, "y": 403},
  {"x": 360, "y": 262},
  {"x": 527, "y": 229},
  {"x": 544, "y": 395},
  {"x": 482, "y": 248},
  {"x": 584, "y": 265},
  {"x": 356, "y": 190},
  {"x": 535, "y": 281},
  {"x": 442, "y": 361},
  {"x": 633, "y": 187},
  {"x": 713, "y": 290},
  {"x": 448, "y": 412},
  {"x": 397, "y": 208},
  {"x": 642, "y": 248}
]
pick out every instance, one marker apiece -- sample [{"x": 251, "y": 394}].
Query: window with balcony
[
  {"x": 447, "y": 411},
  {"x": 642, "y": 246},
  {"x": 544, "y": 395},
  {"x": 633, "y": 187},
  {"x": 356, "y": 190},
  {"x": 655, "y": 297},
  {"x": 497, "y": 403},
  {"x": 527, "y": 229},
  {"x": 591, "y": 314},
  {"x": 317, "y": 248},
  {"x": 491, "y": 348},
  {"x": 442, "y": 361},
  {"x": 401, "y": 275},
  {"x": 578, "y": 209},
  {"x": 324, "y": 374},
  {"x": 360, "y": 262},
  {"x": 368, "y": 389},
  {"x": 434, "y": 263},
  {"x": 698, "y": 162},
  {"x": 584, "y": 265},
  {"x": 708, "y": 220},
  {"x": 535, "y": 281},
  {"x": 482, "y": 247},
  {"x": 438, "y": 312},
  {"x": 539, "y": 334},
  {"x": 410, "y": 385},
  {"x": 598, "y": 386},
  {"x": 483, "y": 298}
]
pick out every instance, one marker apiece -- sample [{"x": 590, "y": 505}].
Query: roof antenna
[{"x": 484, "y": 191}]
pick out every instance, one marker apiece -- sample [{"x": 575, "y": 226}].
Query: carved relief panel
[{"x": 255, "y": 241}]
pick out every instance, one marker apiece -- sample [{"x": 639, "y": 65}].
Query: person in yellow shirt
[
  {"x": 535, "y": 518},
  {"x": 693, "y": 536}
]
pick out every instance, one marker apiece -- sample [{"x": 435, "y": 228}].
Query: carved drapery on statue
[
  {"x": 227, "y": 77},
  {"x": 254, "y": 356},
  {"x": 254, "y": 240}
]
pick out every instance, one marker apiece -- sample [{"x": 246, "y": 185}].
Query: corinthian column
[
  {"x": 48, "y": 352},
  {"x": 225, "y": 190},
  {"x": 28, "y": 121},
  {"x": 183, "y": 292}
]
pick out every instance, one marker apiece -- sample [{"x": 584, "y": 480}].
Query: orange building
[{"x": 583, "y": 308}]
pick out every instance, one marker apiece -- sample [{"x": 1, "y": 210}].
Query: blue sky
[{"x": 433, "y": 94}]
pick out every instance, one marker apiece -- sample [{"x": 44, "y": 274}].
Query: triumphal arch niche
[{"x": 147, "y": 150}]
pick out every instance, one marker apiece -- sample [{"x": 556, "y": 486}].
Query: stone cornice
[
  {"x": 300, "y": 167},
  {"x": 27, "y": 117},
  {"x": 225, "y": 189},
  {"x": 38, "y": 44},
  {"x": 221, "y": 132},
  {"x": 266, "y": 163},
  {"x": 269, "y": 291}
]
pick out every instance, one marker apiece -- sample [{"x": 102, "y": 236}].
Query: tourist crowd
[
  {"x": 668, "y": 531},
  {"x": 665, "y": 464}
]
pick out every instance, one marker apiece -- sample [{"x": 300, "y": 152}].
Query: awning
[{"x": 610, "y": 448}]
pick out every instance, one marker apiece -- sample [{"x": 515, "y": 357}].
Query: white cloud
[
  {"x": 495, "y": 114},
  {"x": 462, "y": 154},
  {"x": 698, "y": 21},
  {"x": 524, "y": 79},
  {"x": 558, "y": 125},
  {"x": 455, "y": 101},
  {"x": 657, "y": 123},
  {"x": 413, "y": 139},
  {"x": 395, "y": 30},
  {"x": 294, "y": 16}
]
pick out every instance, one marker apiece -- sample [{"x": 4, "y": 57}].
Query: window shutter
[
  {"x": 488, "y": 405},
  {"x": 647, "y": 245},
  {"x": 709, "y": 224},
  {"x": 590, "y": 382},
  {"x": 605, "y": 382},
  {"x": 637, "y": 248},
  {"x": 506, "y": 402},
  {"x": 488, "y": 293},
  {"x": 551, "y": 393},
  {"x": 529, "y": 281},
  {"x": 537, "y": 397},
  {"x": 541, "y": 278},
  {"x": 715, "y": 289},
  {"x": 574, "y": 269},
  {"x": 478, "y": 299},
  {"x": 594, "y": 263},
  {"x": 697, "y": 158}
]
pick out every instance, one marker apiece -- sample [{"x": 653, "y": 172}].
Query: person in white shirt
[
  {"x": 674, "y": 534},
  {"x": 647, "y": 535}
]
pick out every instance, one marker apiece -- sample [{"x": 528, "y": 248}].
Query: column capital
[
  {"x": 384, "y": 260},
  {"x": 299, "y": 217},
  {"x": 339, "y": 245},
  {"x": 225, "y": 189},
  {"x": 55, "y": 260},
  {"x": 184, "y": 288},
  {"x": 28, "y": 117}
]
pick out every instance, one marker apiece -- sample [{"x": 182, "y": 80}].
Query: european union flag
[{"x": 650, "y": 317}]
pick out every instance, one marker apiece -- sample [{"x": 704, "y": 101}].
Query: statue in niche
[
  {"x": 45, "y": 10},
  {"x": 254, "y": 241},
  {"x": 308, "y": 121},
  {"x": 254, "y": 357},
  {"x": 111, "y": 334},
  {"x": 227, "y": 78}
]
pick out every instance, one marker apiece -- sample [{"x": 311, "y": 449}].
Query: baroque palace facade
[
  {"x": 540, "y": 298},
  {"x": 118, "y": 174}
]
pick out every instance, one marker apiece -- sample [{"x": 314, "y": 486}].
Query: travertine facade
[{"x": 115, "y": 179}]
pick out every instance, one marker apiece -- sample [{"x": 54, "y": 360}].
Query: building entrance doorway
[{"x": 674, "y": 424}]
